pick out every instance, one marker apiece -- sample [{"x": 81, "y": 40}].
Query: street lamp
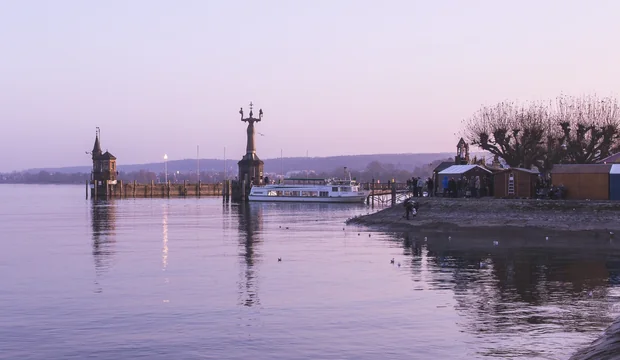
[{"x": 166, "y": 167}]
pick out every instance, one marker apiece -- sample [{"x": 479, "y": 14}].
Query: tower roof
[
  {"x": 96, "y": 147},
  {"x": 107, "y": 156}
]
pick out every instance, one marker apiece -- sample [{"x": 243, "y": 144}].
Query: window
[
  {"x": 324, "y": 194},
  {"x": 345, "y": 189},
  {"x": 335, "y": 189},
  {"x": 272, "y": 193},
  {"x": 309, "y": 193}
]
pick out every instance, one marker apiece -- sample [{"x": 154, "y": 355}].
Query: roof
[
  {"x": 615, "y": 158},
  {"x": 443, "y": 165},
  {"x": 615, "y": 169},
  {"x": 461, "y": 169},
  {"x": 107, "y": 156},
  {"x": 522, "y": 169},
  {"x": 96, "y": 147},
  {"x": 581, "y": 169}
]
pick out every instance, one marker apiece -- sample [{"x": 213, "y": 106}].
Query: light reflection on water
[{"x": 195, "y": 279}]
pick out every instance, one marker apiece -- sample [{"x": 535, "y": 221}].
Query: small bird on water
[
  {"x": 279, "y": 259},
  {"x": 392, "y": 261}
]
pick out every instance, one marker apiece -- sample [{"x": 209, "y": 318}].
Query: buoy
[
  {"x": 496, "y": 242},
  {"x": 547, "y": 238}
]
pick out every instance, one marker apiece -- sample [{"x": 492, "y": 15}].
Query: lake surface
[{"x": 199, "y": 279}]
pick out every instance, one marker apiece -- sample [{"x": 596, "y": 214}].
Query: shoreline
[{"x": 435, "y": 214}]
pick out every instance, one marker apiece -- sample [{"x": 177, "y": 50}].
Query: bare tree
[
  {"x": 570, "y": 130},
  {"x": 515, "y": 133},
  {"x": 589, "y": 128}
]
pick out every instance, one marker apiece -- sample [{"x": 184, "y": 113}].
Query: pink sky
[{"x": 333, "y": 77}]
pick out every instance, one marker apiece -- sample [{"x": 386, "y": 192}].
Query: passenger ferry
[{"x": 310, "y": 190}]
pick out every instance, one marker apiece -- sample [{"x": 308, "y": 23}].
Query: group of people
[
  {"x": 466, "y": 187},
  {"x": 417, "y": 186}
]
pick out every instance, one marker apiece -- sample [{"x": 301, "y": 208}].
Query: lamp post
[{"x": 166, "y": 167}]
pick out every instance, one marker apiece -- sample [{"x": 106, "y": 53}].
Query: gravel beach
[{"x": 462, "y": 214}]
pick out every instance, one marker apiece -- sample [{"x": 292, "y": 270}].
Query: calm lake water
[{"x": 197, "y": 279}]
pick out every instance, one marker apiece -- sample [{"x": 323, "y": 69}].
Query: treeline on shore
[{"x": 374, "y": 170}]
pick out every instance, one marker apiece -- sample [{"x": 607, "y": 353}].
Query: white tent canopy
[{"x": 460, "y": 169}]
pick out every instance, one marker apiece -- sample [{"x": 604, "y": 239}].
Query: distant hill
[{"x": 318, "y": 164}]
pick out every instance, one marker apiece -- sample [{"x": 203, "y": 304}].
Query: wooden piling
[
  {"x": 86, "y": 189},
  {"x": 120, "y": 183},
  {"x": 393, "y": 194},
  {"x": 152, "y": 185},
  {"x": 372, "y": 191},
  {"x": 95, "y": 189}
]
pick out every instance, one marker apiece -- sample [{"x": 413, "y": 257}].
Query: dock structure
[
  {"x": 105, "y": 184},
  {"x": 387, "y": 193},
  {"x": 119, "y": 189}
]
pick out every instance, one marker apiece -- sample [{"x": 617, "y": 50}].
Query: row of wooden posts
[{"x": 135, "y": 190}]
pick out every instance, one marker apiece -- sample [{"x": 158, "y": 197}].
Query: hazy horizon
[{"x": 332, "y": 77}]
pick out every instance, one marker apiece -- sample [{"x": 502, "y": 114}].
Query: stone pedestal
[{"x": 251, "y": 170}]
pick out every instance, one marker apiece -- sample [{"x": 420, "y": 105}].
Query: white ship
[{"x": 310, "y": 190}]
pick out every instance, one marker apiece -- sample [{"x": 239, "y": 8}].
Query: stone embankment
[{"x": 440, "y": 214}]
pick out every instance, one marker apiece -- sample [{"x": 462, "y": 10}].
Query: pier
[
  {"x": 118, "y": 189},
  {"x": 387, "y": 193}
]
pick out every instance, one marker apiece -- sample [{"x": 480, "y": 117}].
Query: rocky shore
[{"x": 447, "y": 214}]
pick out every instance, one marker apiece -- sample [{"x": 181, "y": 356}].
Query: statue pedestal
[{"x": 251, "y": 169}]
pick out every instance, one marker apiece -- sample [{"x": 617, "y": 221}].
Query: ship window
[
  {"x": 309, "y": 193},
  {"x": 272, "y": 193},
  {"x": 324, "y": 194},
  {"x": 335, "y": 189},
  {"x": 345, "y": 189}
]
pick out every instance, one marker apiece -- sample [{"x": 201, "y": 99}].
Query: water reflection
[
  {"x": 103, "y": 222},
  {"x": 164, "y": 250},
  {"x": 503, "y": 290},
  {"x": 250, "y": 225}
]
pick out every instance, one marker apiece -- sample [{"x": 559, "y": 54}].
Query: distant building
[
  {"x": 462, "y": 153},
  {"x": 104, "y": 171}
]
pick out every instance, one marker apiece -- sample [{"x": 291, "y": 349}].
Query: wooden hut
[
  {"x": 515, "y": 183},
  {"x": 437, "y": 179},
  {"x": 583, "y": 181},
  {"x": 464, "y": 171},
  {"x": 614, "y": 182}
]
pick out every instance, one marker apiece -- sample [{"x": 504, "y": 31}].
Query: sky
[{"x": 333, "y": 77}]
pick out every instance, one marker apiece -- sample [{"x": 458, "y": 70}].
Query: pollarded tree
[
  {"x": 588, "y": 128},
  {"x": 517, "y": 134}
]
